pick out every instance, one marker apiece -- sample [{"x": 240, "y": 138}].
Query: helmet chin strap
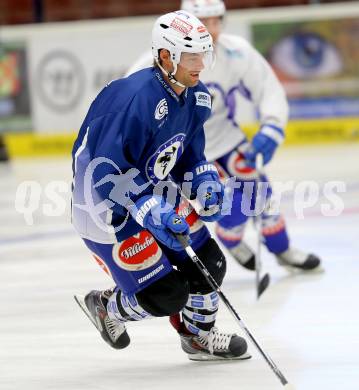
[{"x": 171, "y": 76}]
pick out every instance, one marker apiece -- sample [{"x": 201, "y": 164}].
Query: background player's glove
[
  {"x": 265, "y": 142},
  {"x": 161, "y": 220},
  {"x": 208, "y": 191}
]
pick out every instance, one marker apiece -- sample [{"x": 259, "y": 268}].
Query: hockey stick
[
  {"x": 190, "y": 252},
  {"x": 261, "y": 282}
]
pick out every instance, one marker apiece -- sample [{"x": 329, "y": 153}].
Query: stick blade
[
  {"x": 263, "y": 284},
  {"x": 288, "y": 386}
]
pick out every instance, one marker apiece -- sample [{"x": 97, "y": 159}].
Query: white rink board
[{"x": 94, "y": 52}]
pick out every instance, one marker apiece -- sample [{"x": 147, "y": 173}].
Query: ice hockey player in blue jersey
[
  {"x": 143, "y": 138},
  {"x": 241, "y": 70}
]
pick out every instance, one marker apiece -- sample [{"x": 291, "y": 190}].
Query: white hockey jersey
[{"x": 239, "y": 68}]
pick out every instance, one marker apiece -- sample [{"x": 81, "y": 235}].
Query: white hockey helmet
[
  {"x": 181, "y": 32},
  {"x": 204, "y": 8}
]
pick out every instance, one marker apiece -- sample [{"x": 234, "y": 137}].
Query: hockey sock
[
  {"x": 200, "y": 312},
  {"x": 230, "y": 237},
  {"x": 275, "y": 234},
  {"x": 123, "y": 307}
]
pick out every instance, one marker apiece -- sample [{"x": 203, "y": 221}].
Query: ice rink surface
[{"x": 307, "y": 323}]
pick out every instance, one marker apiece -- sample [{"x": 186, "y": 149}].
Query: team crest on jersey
[
  {"x": 161, "y": 109},
  {"x": 159, "y": 165},
  {"x": 203, "y": 99},
  {"x": 137, "y": 253}
]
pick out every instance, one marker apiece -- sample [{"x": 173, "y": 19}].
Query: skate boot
[
  {"x": 94, "y": 306},
  {"x": 297, "y": 259},
  {"x": 244, "y": 255},
  {"x": 214, "y": 346}
]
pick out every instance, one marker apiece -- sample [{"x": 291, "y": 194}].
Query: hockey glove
[
  {"x": 207, "y": 191},
  {"x": 161, "y": 220},
  {"x": 265, "y": 142}
]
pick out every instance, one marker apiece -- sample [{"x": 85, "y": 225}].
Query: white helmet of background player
[
  {"x": 182, "y": 34},
  {"x": 204, "y": 8}
]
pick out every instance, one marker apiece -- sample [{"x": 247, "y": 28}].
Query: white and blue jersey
[
  {"x": 241, "y": 80},
  {"x": 136, "y": 132}
]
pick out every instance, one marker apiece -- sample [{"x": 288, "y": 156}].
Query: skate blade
[
  {"x": 80, "y": 300},
  {"x": 204, "y": 357},
  {"x": 296, "y": 270}
]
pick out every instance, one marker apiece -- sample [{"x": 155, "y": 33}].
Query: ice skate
[
  {"x": 215, "y": 346},
  {"x": 244, "y": 255},
  {"x": 94, "y": 306},
  {"x": 295, "y": 258}
]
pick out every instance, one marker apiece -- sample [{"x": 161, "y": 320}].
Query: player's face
[
  {"x": 190, "y": 67},
  {"x": 187, "y": 77},
  {"x": 214, "y": 26}
]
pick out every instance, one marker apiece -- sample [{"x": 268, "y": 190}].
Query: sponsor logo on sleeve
[{"x": 203, "y": 99}]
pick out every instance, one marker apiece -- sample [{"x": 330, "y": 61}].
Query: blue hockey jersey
[{"x": 135, "y": 133}]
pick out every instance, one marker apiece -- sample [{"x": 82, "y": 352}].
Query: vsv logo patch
[
  {"x": 164, "y": 159},
  {"x": 161, "y": 109}
]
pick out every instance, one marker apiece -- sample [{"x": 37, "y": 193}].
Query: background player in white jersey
[
  {"x": 137, "y": 131},
  {"x": 239, "y": 68}
]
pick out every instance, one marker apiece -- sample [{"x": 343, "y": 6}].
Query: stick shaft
[
  {"x": 214, "y": 285},
  {"x": 258, "y": 225}
]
